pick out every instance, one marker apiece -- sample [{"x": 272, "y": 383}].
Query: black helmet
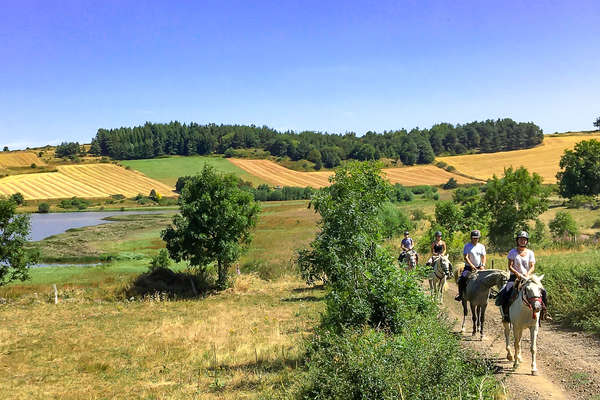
[
  {"x": 438, "y": 233},
  {"x": 406, "y": 232},
  {"x": 475, "y": 234},
  {"x": 522, "y": 234}
]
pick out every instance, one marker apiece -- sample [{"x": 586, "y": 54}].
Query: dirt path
[{"x": 568, "y": 362}]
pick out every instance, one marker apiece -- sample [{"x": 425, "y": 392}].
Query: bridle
[
  {"x": 531, "y": 301},
  {"x": 437, "y": 260}
]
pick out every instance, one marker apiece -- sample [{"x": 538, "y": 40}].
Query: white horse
[
  {"x": 525, "y": 313},
  {"x": 411, "y": 258},
  {"x": 438, "y": 275}
]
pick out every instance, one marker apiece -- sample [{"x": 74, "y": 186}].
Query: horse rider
[
  {"x": 475, "y": 257},
  {"x": 407, "y": 245},
  {"x": 438, "y": 248},
  {"x": 521, "y": 264}
]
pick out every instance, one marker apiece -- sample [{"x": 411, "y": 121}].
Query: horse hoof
[
  {"x": 509, "y": 357},
  {"x": 534, "y": 373}
]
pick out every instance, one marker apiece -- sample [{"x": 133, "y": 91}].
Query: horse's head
[
  {"x": 444, "y": 263},
  {"x": 532, "y": 291}
]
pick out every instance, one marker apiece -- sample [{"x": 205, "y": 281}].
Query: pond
[{"x": 44, "y": 225}]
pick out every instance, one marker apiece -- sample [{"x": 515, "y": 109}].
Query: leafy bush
[
  {"x": 450, "y": 168},
  {"x": 596, "y": 224},
  {"x": 418, "y": 214},
  {"x": 563, "y": 224},
  {"x": 426, "y": 362},
  {"x": 573, "y": 285},
  {"x": 33, "y": 165},
  {"x": 464, "y": 195},
  {"x": 117, "y": 196},
  {"x": 154, "y": 196},
  {"x": 423, "y": 189},
  {"x": 67, "y": 149},
  {"x": 401, "y": 193},
  {"x": 393, "y": 221},
  {"x": 18, "y": 198},
  {"x": 74, "y": 202},
  {"x": 43, "y": 208},
  {"x": 580, "y": 200},
  {"x": 451, "y": 184},
  {"x": 161, "y": 260}
]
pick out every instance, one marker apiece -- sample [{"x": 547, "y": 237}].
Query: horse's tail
[{"x": 458, "y": 270}]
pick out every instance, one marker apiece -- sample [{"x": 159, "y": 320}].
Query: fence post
[{"x": 55, "y": 293}]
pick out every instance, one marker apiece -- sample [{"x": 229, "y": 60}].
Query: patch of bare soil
[{"x": 568, "y": 362}]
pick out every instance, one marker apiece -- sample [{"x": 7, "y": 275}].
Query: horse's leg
[
  {"x": 441, "y": 289},
  {"x": 509, "y": 356},
  {"x": 517, "y": 332},
  {"x": 474, "y": 317},
  {"x": 482, "y": 320},
  {"x": 533, "y": 331},
  {"x": 464, "y": 304}
]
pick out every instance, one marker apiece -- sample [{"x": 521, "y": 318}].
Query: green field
[{"x": 168, "y": 169}]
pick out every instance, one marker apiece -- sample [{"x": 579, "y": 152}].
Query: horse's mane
[{"x": 535, "y": 279}]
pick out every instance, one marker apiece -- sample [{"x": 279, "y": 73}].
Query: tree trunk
[{"x": 222, "y": 272}]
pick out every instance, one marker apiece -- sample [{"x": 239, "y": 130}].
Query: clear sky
[{"x": 68, "y": 68}]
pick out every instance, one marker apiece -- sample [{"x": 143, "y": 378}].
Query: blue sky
[{"x": 68, "y": 68}]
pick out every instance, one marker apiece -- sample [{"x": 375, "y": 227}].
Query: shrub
[
  {"x": 441, "y": 164},
  {"x": 117, "y": 196},
  {"x": 423, "y": 189},
  {"x": 563, "y": 224},
  {"x": 18, "y": 198},
  {"x": 393, "y": 221},
  {"x": 418, "y": 214},
  {"x": 580, "y": 200},
  {"x": 450, "y": 168},
  {"x": 154, "y": 196},
  {"x": 74, "y": 202},
  {"x": 229, "y": 153},
  {"x": 426, "y": 362},
  {"x": 33, "y": 166},
  {"x": 43, "y": 208},
  {"x": 161, "y": 260},
  {"x": 464, "y": 195},
  {"x": 451, "y": 184},
  {"x": 596, "y": 224},
  {"x": 401, "y": 193}
]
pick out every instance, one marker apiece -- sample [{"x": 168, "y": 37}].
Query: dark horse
[{"x": 477, "y": 293}]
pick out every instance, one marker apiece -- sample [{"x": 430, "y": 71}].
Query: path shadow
[
  {"x": 308, "y": 288},
  {"x": 304, "y": 298}
]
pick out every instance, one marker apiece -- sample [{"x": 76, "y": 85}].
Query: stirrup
[{"x": 458, "y": 298}]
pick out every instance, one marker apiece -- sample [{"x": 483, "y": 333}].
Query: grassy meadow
[
  {"x": 95, "y": 343},
  {"x": 169, "y": 169}
]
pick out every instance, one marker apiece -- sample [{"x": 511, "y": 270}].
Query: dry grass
[
  {"x": 19, "y": 159},
  {"x": 229, "y": 346},
  {"x": 543, "y": 159},
  {"x": 275, "y": 174},
  {"x": 88, "y": 181}
]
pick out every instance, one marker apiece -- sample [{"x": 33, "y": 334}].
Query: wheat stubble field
[
  {"x": 275, "y": 174},
  {"x": 87, "y": 181},
  {"x": 543, "y": 159},
  {"x": 19, "y": 159}
]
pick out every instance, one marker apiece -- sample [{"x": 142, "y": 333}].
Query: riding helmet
[
  {"x": 522, "y": 234},
  {"x": 438, "y": 233},
  {"x": 475, "y": 234},
  {"x": 406, "y": 232}
]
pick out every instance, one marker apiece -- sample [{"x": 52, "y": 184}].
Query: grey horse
[{"x": 477, "y": 293}]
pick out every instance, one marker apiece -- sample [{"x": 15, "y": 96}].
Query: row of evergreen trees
[{"x": 418, "y": 146}]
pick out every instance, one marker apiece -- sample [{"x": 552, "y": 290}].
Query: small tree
[
  {"x": 5, "y": 148},
  {"x": 580, "y": 170},
  {"x": 43, "y": 208},
  {"x": 18, "y": 198},
  {"x": 563, "y": 224},
  {"x": 215, "y": 222},
  {"x": 597, "y": 123},
  {"x": 14, "y": 230},
  {"x": 451, "y": 184},
  {"x": 154, "y": 196},
  {"x": 161, "y": 260},
  {"x": 512, "y": 201}
]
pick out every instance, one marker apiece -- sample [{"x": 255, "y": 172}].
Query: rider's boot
[{"x": 460, "y": 288}]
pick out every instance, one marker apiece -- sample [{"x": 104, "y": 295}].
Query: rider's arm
[
  {"x": 483, "y": 260},
  {"x": 444, "y": 249},
  {"x": 511, "y": 268},
  {"x": 531, "y": 268},
  {"x": 468, "y": 262}
]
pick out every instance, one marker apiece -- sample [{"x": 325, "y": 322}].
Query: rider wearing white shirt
[
  {"x": 521, "y": 264},
  {"x": 475, "y": 256}
]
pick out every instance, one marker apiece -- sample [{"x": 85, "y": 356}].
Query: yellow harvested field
[
  {"x": 543, "y": 159},
  {"x": 277, "y": 175},
  {"x": 19, "y": 159},
  {"x": 90, "y": 180}
]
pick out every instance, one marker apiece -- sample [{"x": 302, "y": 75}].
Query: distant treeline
[{"x": 418, "y": 146}]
